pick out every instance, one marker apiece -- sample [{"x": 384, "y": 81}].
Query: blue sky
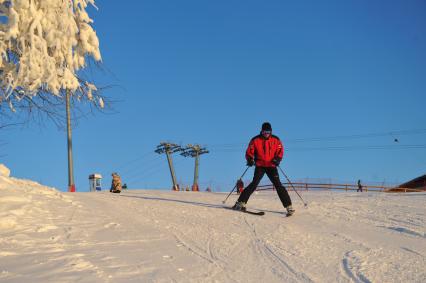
[{"x": 211, "y": 72}]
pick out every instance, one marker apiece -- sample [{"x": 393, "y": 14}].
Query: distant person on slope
[
  {"x": 265, "y": 151},
  {"x": 116, "y": 183},
  {"x": 359, "y": 186},
  {"x": 240, "y": 186}
]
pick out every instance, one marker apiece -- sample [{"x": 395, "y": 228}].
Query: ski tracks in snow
[
  {"x": 153, "y": 236},
  {"x": 271, "y": 258},
  {"x": 229, "y": 251},
  {"x": 369, "y": 256}
]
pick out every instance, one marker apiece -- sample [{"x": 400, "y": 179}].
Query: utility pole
[
  {"x": 169, "y": 149},
  {"x": 194, "y": 151},
  {"x": 71, "y": 185}
]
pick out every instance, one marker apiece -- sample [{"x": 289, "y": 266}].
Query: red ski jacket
[{"x": 263, "y": 150}]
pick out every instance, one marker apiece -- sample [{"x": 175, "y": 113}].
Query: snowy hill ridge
[
  {"x": 164, "y": 236},
  {"x": 23, "y": 199}
]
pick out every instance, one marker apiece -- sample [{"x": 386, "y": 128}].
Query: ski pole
[
  {"x": 235, "y": 185},
  {"x": 306, "y": 204}
]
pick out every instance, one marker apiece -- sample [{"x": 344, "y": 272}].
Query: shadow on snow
[{"x": 195, "y": 203}]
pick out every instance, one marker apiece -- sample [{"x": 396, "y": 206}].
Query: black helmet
[{"x": 266, "y": 126}]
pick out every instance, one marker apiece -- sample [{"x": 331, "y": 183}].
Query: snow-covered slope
[{"x": 162, "y": 236}]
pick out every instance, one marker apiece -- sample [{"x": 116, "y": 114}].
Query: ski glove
[
  {"x": 276, "y": 161},
  {"x": 250, "y": 162}
]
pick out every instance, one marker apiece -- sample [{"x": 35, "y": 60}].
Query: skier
[
  {"x": 116, "y": 183},
  {"x": 240, "y": 186},
  {"x": 359, "y": 186},
  {"x": 265, "y": 151}
]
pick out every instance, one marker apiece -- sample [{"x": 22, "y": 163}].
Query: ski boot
[
  {"x": 239, "y": 205},
  {"x": 290, "y": 210}
]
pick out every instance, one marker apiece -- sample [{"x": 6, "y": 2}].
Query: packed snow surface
[{"x": 164, "y": 236}]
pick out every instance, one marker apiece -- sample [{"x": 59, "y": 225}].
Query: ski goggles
[{"x": 266, "y": 132}]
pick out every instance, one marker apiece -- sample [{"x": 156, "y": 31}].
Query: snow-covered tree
[{"x": 43, "y": 44}]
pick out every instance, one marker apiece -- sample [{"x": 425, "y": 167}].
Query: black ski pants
[{"x": 272, "y": 173}]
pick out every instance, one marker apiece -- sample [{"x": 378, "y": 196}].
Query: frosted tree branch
[{"x": 43, "y": 44}]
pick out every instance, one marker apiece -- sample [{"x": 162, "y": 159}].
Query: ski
[{"x": 258, "y": 213}]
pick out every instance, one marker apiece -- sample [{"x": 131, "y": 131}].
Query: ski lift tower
[
  {"x": 169, "y": 149},
  {"x": 194, "y": 151}
]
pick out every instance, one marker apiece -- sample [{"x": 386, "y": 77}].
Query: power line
[
  {"x": 136, "y": 159},
  {"x": 330, "y": 138},
  {"x": 360, "y": 136},
  {"x": 234, "y": 147},
  {"x": 146, "y": 163},
  {"x": 154, "y": 165},
  {"x": 150, "y": 172},
  {"x": 343, "y": 148},
  {"x": 369, "y": 147}
]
